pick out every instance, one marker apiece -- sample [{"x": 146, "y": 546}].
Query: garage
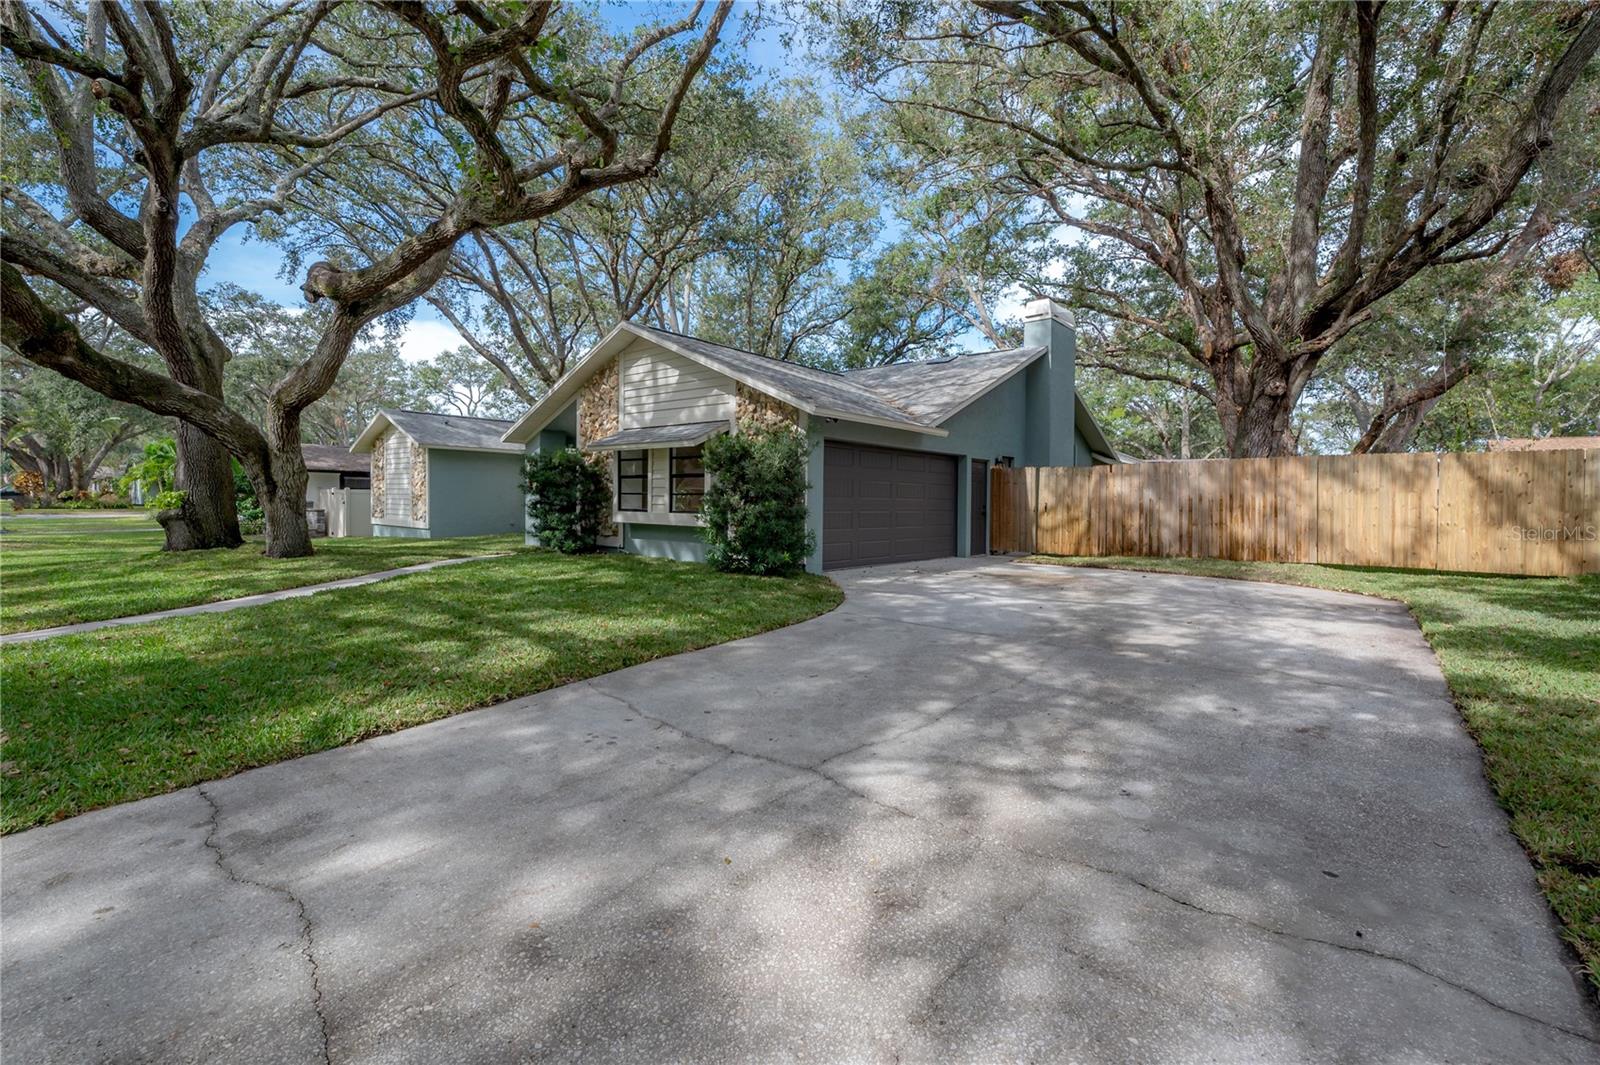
[{"x": 883, "y": 505}]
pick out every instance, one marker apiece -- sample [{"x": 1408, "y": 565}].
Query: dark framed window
[
  {"x": 688, "y": 480},
  {"x": 355, "y": 480},
  {"x": 633, "y": 468}
]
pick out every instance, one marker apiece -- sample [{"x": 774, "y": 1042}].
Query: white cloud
[{"x": 423, "y": 338}]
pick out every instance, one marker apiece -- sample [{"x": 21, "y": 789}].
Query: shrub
[
  {"x": 252, "y": 518},
  {"x": 6, "y": 507},
  {"x": 755, "y": 503},
  {"x": 171, "y": 499},
  {"x": 569, "y": 499},
  {"x": 156, "y": 470},
  {"x": 28, "y": 483}
]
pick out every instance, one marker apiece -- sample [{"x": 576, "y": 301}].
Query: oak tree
[{"x": 172, "y": 125}]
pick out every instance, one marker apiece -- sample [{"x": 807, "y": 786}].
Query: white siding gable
[
  {"x": 397, "y": 480},
  {"x": 663, "y": 388}
]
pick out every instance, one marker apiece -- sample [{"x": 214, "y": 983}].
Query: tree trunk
[
  {"x": 208, "y": 517},
  {"x": 282, "y": 488},
  {"x": 288, "y": 534},
  {"x": 1262, "y": 431}
]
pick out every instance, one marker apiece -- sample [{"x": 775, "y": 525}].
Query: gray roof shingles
[
  {"x": 659, "y": 436},
  {"x": 331, "y": 458},
  {"x": 915, "y": 395},
  {"x": 830, "y": 392},
  {"x": 933, "y": 391},
  {"x": 452, "y": 430}
]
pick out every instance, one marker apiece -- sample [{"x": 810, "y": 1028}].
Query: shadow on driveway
[{"x": 979, "y": 812}]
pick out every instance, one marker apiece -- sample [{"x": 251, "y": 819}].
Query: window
[
  {"x": 688, "y": 480},
  {"x": 355, "y": 480},
  {"x": 632, "y": 469}
]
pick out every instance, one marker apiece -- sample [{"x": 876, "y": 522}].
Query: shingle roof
[
  {"x": 824, "y": 392},
  {"x": 330, "y": 458},
  {"x": 917, "y": 396},
  {"x": 933, "y": 391},
  {"x": 687, "y": 434},
  {"x": 451, "y": 430}
]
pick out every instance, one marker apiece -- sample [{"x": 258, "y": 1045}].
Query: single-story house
[
  {"x": 437, "y": 475},
  {"x": 900, "y": 466},
  {"x": 338, "y": 490},
  {"x": 330, "y": 466}
]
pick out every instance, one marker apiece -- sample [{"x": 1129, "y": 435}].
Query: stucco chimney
[{"x": 1051, "y": 379}]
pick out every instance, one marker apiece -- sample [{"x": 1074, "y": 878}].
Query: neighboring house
[
  {"x": 437, "y": 475},
  {"x": 329, "y": 466},
  {"x": 338, "y": 483},
  {"x": 104, "y": 479},
  {"x": 899, "y": 470},
  {"x": 1545, "y": 443}
]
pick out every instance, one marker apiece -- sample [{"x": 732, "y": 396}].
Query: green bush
[
  {"x": 171, "y": 499},
  {"x": 6, "y": 507},
  {"x": 252, "y": 518},
  {"x": 755, "y": 503},
  {"x": 569, "y": 499}
]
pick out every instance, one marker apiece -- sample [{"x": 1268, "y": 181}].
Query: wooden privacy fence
[{"x": 1532, "y": 512}]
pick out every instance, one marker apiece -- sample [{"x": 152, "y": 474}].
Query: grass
[
  {"x": 61, "y": 570},
  {"x": 123, "y": 713},
  {"x": 1522, "y": 658}
]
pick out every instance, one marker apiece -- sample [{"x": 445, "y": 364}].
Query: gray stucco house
[
  {"x": 437, "y": 475},
  {"x": 902, "y": 454}
]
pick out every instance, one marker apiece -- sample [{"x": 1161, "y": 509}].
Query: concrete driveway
[{"x": 979, "y": 813}]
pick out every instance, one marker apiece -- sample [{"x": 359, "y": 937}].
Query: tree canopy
[
  {"x": 129, "y": 113},
  {"x": 1252, "y": 184}
]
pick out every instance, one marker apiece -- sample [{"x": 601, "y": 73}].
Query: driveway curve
[{"x": 980, "y": 812}]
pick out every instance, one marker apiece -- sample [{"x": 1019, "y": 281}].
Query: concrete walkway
[
  {"x": 978, "y": 813},
  {"x": 224, "y": 605}
]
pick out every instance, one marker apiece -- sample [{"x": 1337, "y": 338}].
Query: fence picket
[{"x": 1529, "y": 513}]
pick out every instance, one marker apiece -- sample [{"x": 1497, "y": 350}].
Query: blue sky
[{"x": 239, "y": 259}]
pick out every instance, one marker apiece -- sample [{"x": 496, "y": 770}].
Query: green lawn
[
  {"x": 123, "y": 713},
  {"x": 1522, "y": 657},
  {"x": 60, "y": 570}
]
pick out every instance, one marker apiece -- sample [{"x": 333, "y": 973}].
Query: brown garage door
[{"x": 880, "y": 505}]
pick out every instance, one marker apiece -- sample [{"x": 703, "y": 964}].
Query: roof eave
[
  {"x": 369, "y": 435},
  {"x": 887, "y": 423},
  {"x": 476, "y": 450},
  {"x": 561, "y": 393},
  {"x": 1083, "y": 418}
]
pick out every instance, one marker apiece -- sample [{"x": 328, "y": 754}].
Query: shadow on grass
[{"x": 115, "y": 715}]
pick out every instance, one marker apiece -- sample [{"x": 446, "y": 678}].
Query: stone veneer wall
[
  {"x": 598, "y": 406},
  {"x": 419, "y": 483},
  {"x": 377, "y": 475},
  {"x": 763, "y": 411}
]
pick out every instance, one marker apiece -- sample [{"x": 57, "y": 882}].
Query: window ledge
[{"x": 654, "y": 517}]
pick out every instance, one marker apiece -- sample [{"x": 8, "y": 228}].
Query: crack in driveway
[
  {"x": 1128, "y": 878},
  {"x": 307, "y": 931}
]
